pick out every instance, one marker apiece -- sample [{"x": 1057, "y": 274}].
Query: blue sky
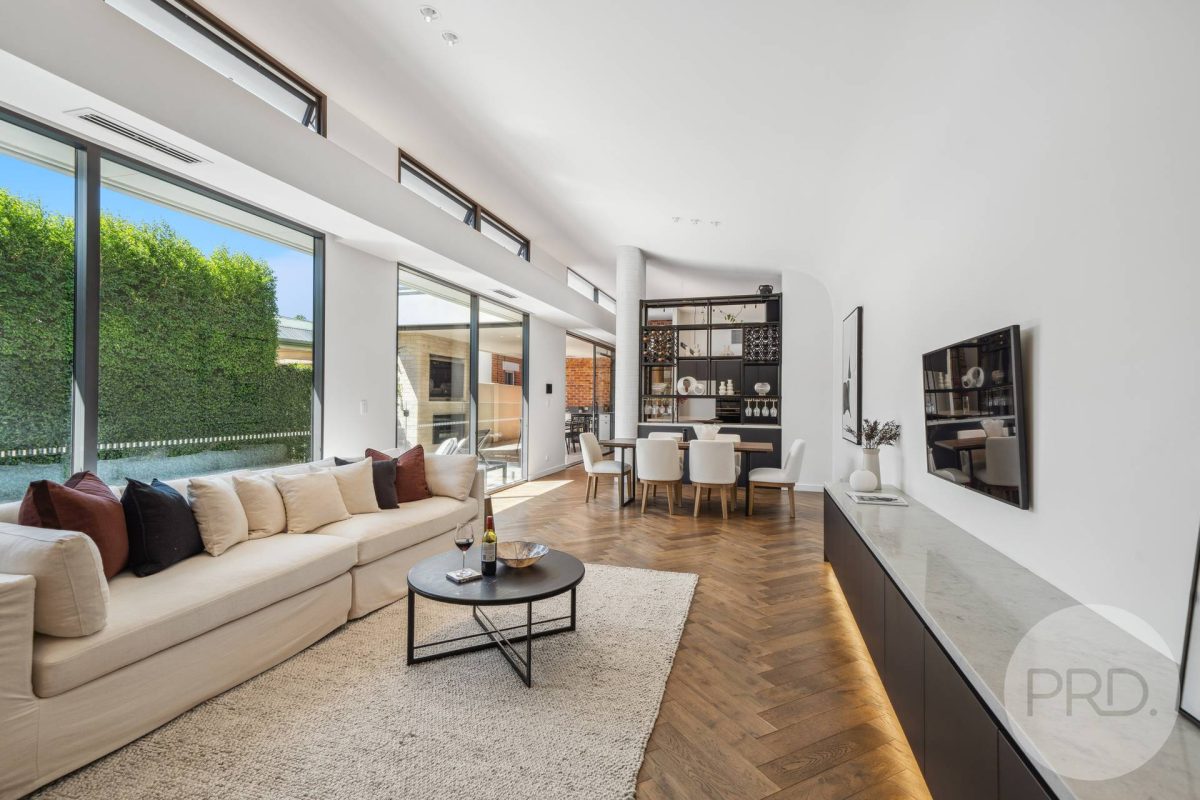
[{"x": 56, "y": 192}]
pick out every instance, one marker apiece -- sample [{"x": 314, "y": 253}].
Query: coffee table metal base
[{"x": 521, "y": 664}]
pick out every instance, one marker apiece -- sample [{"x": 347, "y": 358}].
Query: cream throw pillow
[
  {"x": 219, "y": 513},
  {"x": 262, "y": 503},
  {"x": 356, "y": 482},
  {"x": 70, "y": 597},
  {"x": 312, "y": 500},
  {"x": 450, "y": 476}
]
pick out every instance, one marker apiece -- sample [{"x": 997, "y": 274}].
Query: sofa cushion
[
  {"x": 383, "y": 476},
  {"x": 162, "y": 530},
  {"x": 311, "y": 500},
  {"x": 450, "y": 476},
  {"x": 410, "y": 473},
  {"x": 84, "y": 503},
  {"x": 219, "y": 513},
  {"x": 71, "y": 592},
  {"x": 260, "y": 498},
  {"x": 147, "y": 615},
  {"x": 356, "y": 482},
  {"x": 378, "y": 535}
]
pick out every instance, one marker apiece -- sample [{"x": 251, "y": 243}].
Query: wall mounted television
[{"x": 975, "y": 415}]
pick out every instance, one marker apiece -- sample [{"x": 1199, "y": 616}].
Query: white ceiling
[{"x": 589, "y": 125}]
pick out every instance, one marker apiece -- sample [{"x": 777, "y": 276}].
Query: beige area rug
[{"x": 347, "y": 719}]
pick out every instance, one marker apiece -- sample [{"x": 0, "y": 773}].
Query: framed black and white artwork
[
  {"x": 851, "y": 369},
  {"x": 1189, "y": 673}
]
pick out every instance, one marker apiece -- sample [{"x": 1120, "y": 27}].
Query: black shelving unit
[{"x": 678, "y": 342}]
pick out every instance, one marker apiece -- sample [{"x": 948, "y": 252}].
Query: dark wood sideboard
[{"x": 963, "y": 751}]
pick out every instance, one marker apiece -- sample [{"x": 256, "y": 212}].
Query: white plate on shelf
[{"x": 686, "y": 385}]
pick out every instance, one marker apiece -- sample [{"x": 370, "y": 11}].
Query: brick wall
[
  {"x": 498, "y": 368},
  {"x": 579, "y": 382}
]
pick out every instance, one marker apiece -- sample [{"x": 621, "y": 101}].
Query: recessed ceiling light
[
  {"x": 716, "y": 223},
  {"x": 450, "y": 38},
  {"x": 428, "y": 13},
  {"x": 695, "y": 221},
  {"x": 674, "y": 219}
]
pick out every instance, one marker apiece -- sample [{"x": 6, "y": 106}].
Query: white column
[{"x": 631, "y": 288}]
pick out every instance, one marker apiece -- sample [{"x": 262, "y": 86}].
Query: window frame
[
  {"x": 224, "y": 36},
  {"x": 84, "y": 437},
  {"x": 477, "y": 212}
]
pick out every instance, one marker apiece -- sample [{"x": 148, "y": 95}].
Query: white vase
[
  {"x": 871, "y": 463},
  {"x": 862, "y": 480}
]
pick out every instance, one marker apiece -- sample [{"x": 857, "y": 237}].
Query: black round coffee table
[{"x": 555, "y": 573}]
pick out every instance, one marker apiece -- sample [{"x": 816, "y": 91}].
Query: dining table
[{"x": 622, "y": 444}]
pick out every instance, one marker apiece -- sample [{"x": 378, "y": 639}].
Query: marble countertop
[{"x": 980, "y": 604}]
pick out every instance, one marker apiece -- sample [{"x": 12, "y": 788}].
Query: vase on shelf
[{"x": 870, "y": 463}]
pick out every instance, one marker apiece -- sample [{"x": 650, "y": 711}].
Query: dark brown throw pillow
[
  {"x": 85, "y": 504},
  {"x": 410, "y": 474},
  {"x": 383, "y": 474}
]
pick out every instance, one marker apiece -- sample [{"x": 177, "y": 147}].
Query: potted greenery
[{"x": 875, "y": 434}]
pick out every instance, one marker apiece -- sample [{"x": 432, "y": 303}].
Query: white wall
[
  {"x": 361, "y": 140},
  {"x": 547, "y": 364},
  {"x": 1040, "y": 167},
  {"x": 808, "y": 371},
  {"x": 360, "y": 350}
]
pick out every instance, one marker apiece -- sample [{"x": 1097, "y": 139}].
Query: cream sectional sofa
[{"x": 183, "y": 635}]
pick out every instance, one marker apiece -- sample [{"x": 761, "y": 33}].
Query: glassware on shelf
[{"x": 775, "y": 409}]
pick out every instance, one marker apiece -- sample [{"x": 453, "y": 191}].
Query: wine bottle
[{"x": 487, "y": 550}]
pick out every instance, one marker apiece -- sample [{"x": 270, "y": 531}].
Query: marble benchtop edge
[{"x": 1038, "y": 598}]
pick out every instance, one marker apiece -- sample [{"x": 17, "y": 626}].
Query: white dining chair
[
  {"x": 597, "y": 466},
  {"x": 674, "y": 436},
  {"x": 711, "y": 466},
  {"x": 783, "y": 477},
  {"x": 731, "y": 437},
  {"x": 658, "y": 465}
]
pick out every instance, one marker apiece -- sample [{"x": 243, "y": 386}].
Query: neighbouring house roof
[{"x": 294, "y": 332}]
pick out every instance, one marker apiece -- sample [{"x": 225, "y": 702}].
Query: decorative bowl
[
  {"x": 520, "y": 554},
  {"x": 706, "y": 432},
  {"x": 658, "y": 388},
  {"x": 762, "y": 387}
]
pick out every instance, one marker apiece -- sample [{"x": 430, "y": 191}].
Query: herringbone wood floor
[{"x": 772, "y": 694}]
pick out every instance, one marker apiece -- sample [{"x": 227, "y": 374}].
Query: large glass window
[
  {"x": 37, "y": 306},
  {"x": 501, "y": 428},
  {"x": 206, "y": 333},
  {"x": 207, "y": 40},
  {"x": 433, "y": 366},
  {"x": 606, "y": 302}
]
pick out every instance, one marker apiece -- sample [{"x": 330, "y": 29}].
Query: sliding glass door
[
  {"x": 589, "y": 387},
  {"x": 500, "y": 433},
  {"x": 460, "y": 376},
  {"x": 433, "y": 366}
]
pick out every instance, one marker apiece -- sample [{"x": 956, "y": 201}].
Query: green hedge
[{"x": 187, "y": 341}]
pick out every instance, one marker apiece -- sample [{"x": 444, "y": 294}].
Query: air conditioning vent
[
  {"x": 503, "y": 293},
  {"x": 153, "y": 142}
]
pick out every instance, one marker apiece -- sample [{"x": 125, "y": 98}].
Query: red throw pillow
[
  {"x": 85, "y": 504},
  {"x": 410, "y": 474}
]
